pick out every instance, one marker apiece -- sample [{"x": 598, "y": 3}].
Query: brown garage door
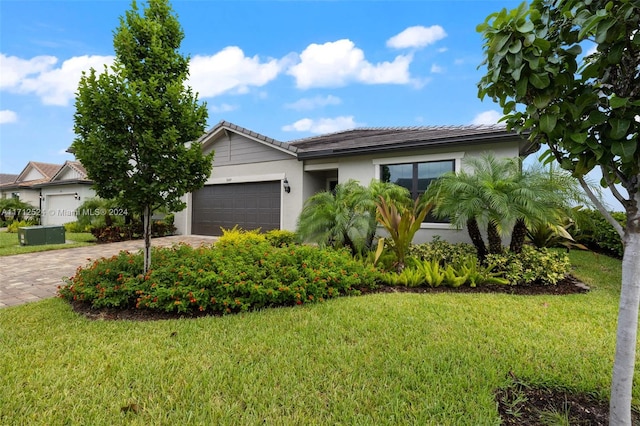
[{"x": 248, "y": 205}]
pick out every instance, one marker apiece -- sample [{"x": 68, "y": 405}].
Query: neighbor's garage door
[
  {"x": 60, "y": 209},
  {"x": 248, "y": 205}
]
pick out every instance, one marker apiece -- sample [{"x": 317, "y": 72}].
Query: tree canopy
[
  {"x": 585, "y": 107},
  {"x": 135, "y": 122}
]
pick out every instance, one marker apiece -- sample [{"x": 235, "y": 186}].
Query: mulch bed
[{"x": 518, "y": 404}]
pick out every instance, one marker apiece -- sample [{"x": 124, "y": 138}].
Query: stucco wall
[
  {"x": 365, "y": 168},
  {"x": 291, "y": 203}
]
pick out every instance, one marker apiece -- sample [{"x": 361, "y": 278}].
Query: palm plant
[
  {"x": 498, "y": 194},
  {"x": 341, "y": 218},
  {"x": 346, "y": 217}
]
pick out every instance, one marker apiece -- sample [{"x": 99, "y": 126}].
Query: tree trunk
[
  {"x": 476, "y": 238},
  {"x": 518, "y": 235},
  {"x": 495, "y": 242},
  {"x": 146, "y": 229},
  {"x": 624, "y": 362}
]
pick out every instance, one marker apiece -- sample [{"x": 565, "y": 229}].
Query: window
[{"x": 417, "y": 177}]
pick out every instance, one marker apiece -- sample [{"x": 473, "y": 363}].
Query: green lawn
[
  {"x": 432, "y": 359},
  {"x": 9, "y": 243}
]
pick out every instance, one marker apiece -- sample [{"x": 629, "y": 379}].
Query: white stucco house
[
  {"x": 259, "y": 182},
  {"x": 54, "y": 190}
]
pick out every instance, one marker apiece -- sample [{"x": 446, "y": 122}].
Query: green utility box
[{"x": 39, "y": 235}]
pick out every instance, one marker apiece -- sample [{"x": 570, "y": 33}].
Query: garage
[
  {"x": 248, "y": 205},
  {"x": 60, "y": 209}
]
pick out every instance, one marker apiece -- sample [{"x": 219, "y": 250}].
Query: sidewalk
[{"x": 35, "y": 276}]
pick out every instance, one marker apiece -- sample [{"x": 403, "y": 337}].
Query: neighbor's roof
[
  {"x": 7, "y": 178},
  {"x": 372, "y": 140}
]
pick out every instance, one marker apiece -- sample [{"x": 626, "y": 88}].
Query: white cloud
[
  {"x": 337, "y": 63},
  {"x": 322, "y": 125},
  {"x": 231, "y": 71},
  {"x": 417, "y": 36},
  {"x": 216, "y": 109},
  {"x": 315, "y": 102},
  {"x": 8, "y": 116},
  {"x": 54, "y": 86},
  {"x": 443, "y": 49},
  {"x": 436, "y": 69},
  {"x": 487, "y": 117}
]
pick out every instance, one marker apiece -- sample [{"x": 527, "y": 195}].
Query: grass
[
  {"x": 9, "y": 243},
  {"x": 432, "y": 359}
]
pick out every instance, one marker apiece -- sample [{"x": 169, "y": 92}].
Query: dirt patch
[{"x": 524, "y": 405}]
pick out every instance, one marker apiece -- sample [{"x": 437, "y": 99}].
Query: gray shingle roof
[
  {"x": 234, "y": 127},
  {"x": 7, "y": 178},
  {"x": 366, "y": 140}
]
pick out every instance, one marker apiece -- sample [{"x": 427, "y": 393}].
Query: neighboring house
[
  {"x": 33, "y": 174},
  {"x": 54, "y": 190},
  {"x": 61, "y": 196},
  {"x": 6, "y": 180},
  {"x": 259, "y": 182}
]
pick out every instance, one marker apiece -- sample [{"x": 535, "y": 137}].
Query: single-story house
[
  {"x": 260, "y": 182},
  {"x": 54, "y": 190}
]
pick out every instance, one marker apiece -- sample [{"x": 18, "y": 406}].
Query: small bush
[
  {"x": 441, "y": 251},
  {"x": 234, "y": 276},
  {"x": 133, "y": 231},
  {"x": 280, "y": 238},
  {"x": 531, "y": 266},
  {"x": 13, "y": 226},
  {"x": 596, "y": 233},
  {"x": 76, "y": 227}
]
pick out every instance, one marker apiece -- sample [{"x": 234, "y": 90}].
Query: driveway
[{"x": 35, "y": 276}]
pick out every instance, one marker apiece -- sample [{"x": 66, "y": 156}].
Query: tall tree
[
  {"x": 134, "y": 122},
  {"x": 586, "y": 108}
]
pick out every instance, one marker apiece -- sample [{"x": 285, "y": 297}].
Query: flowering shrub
[{"x": 234, "y": 276}]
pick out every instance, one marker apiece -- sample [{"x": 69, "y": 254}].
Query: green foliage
[
  {"x": 13, "y": 226},
  {"x": 531, "y": 265},
  {"x": 132, "y": 231},
  {"x": 402, "y": 224},
  {"x": 100, "y": 212},
  {"x": 477, "y": 273},
  {"x": 14, "y": 209},
  {"x": 134, "y": 122},
  {"x": 441, "y": 251},
  {"x": 594, "y": 231},
  {"x": 278, "y": 237},
  {"x": 240, "y": 272},
  {"x": 76, "y": 227}
]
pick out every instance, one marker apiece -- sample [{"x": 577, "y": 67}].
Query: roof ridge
[{"x": 400, "y": 128}]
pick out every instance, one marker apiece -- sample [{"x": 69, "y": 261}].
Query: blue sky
[{"x": 286, "y": 69}]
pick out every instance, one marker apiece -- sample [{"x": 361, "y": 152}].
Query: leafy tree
[
  {"x": 586, "y": 110},
  {"x": 135, "y": 120}
]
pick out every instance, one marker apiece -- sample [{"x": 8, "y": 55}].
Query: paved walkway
[{"x": 35, "y": 276}]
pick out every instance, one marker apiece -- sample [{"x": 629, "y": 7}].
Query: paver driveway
[{"x": 34, "y": 276}]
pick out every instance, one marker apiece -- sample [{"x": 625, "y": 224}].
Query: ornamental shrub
[
  {"x": 441, "y": 251},
  {"x": 595, "y": 232},
  {"x": 235, "y": 276},
  {"x": 531, "y": 266}
]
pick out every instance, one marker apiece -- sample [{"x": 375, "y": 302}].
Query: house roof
[
  {"x": 75, "y": 165},
  {"x": 373, "y": 140},
  {"x": 224, "y": 126},
  {"x": 6, "y": 178},
  {"x": 47, "y": 170}
]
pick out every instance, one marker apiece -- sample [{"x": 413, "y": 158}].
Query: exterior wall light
[
  {"x": 76, "y": 196},
  {"x": 285, "y": 184}
]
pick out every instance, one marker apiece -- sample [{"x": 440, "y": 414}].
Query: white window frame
[{"x": 448, "y": 156}]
